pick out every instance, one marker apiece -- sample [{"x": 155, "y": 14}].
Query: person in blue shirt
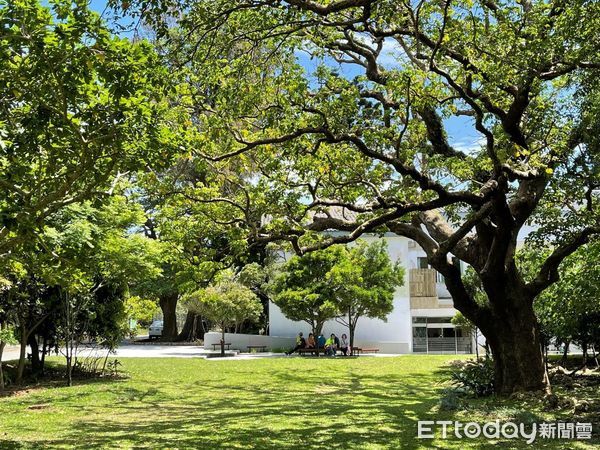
[{"x": 321, "y": 341}]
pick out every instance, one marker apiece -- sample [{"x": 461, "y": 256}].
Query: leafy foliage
[
  {"x": 226, "y": 304},
  {"x": 305, "y": 289},
  {"x": 476, "y": 377},
  {"x": 78, "y": 107},
  {"x": 343, "y": 282},
  {"x": 141, "y": 309},
  {"x": 569, "y": 311},
  {"x": 342, "y": 115}
]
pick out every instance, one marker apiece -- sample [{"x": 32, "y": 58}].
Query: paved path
[{"x": 167, "y": 351}]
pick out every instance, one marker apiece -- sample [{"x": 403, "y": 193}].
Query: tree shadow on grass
[
  {"x": 282, "y": 408},
  {"x": 345, "y": 414}
]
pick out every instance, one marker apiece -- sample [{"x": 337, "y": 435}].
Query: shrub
[
  {"x": 476, "y": 377},
  {"x": 450, "y": 400}
]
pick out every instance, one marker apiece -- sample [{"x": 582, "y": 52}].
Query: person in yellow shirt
[
  {"x": 330, "y": 345},
  {"x": 300, "y": 343}
]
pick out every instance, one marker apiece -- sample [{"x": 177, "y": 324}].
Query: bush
[
  {"x": 475, "y": 377},
  {"x": 450, "y": 400}
]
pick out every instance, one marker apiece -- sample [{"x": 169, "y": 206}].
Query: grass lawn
[{"x": 364, "y": 403}]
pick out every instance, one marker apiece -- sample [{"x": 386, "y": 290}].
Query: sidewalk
[{"x": 168, "y": 350}]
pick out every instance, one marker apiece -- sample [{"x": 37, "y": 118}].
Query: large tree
[
  {"x": 365, "y": 126},
  {"x": 79, "y": 109}
]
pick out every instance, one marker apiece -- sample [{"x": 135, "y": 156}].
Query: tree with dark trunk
[
  {"x": 380, "y": 152},
  {"x": 305, "y": 290},
  {"x": 193, "y": 328},
  {"x": 168, "y": 304},
  {"x": 366, "y": 285}
]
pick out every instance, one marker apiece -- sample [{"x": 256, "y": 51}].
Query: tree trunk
[
  {"x": 351, "y": 328},
  {"x": 516, "y": 348},
  {"x": 36, "y": 364},
  {"x": 69, "y": 359},
  {"x": 22, "y": 356},
  {"x": 2, "y": 345},
  {"x": 319, "y": 327},
  {"x": 168, "y": 305},
  {"x": 508, "y": 323},
  {"x": 192, "y": 328},
  {"x": 565, "y": 355},
  {"x": 222, "y": 339}
]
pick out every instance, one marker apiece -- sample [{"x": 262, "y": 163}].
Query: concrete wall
[
  {"x": 392, "y": 336},
  {"x": 241, "y": 341}
]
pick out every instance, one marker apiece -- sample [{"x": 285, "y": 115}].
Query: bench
[
  {"x": 260, "y": 348},
  {"x": 359, "y": 350},
  {"x": 218, "y": 344},
  {"x": 303, "y": 351}
]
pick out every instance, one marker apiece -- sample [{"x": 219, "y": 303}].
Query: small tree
[
  {"x": 226, "y": 304},
  {"x": 369, "y": 278},
  {"x": 306, "y": 291},
  {"x": 339, "y": 283},
  {"x": 461, "y": 321}
]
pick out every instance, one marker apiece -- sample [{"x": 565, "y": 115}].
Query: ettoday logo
[{"x": 508, "y": 430}]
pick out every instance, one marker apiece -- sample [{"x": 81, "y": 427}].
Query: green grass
[{"x": 282, "y": 403}]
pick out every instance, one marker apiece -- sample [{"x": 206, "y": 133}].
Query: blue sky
[{"x": 461, "y": 132}]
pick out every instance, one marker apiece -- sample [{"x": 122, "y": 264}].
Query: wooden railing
[{"x": 422, "y": 282}]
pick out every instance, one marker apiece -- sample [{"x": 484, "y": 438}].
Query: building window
[
  {"x": 419, "y": 332},
  {"x": 422, "y": 262},
  {"x": 448, "y": 332},
  {"x": 439, "y": 320},
  {"x": 434, "y": 332}
]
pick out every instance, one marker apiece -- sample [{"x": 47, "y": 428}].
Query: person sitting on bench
[
  {"x": 300, "y": 343},
  {"x": 310, "y": 342},
  {"x": 330, "y": 345},
  {"x": 344, "y": 346},
  {"x": 321, "y": 341}
]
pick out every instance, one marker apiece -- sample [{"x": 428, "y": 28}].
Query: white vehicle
[{"x": 155, "y": 329}]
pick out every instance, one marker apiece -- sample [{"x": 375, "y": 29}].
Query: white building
[{"x": 420, "y": 321}]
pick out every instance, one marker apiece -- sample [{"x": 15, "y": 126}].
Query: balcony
[
  {"x": 424, "y": 290},
  {"x": 422, "y": 283}
]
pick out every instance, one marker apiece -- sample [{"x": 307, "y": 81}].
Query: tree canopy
[
  {"x": 79, "y": 109},
  {"x": 457, "y": 124},
  {"x": 351, "y": 104},
  {"x": 227, "y": 303}
]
